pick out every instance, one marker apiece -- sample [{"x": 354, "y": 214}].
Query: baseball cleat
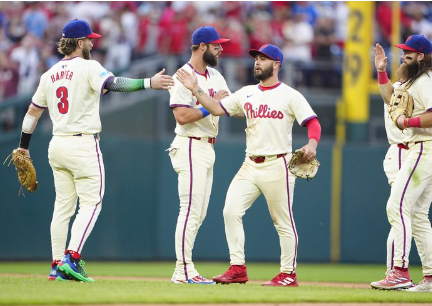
[
  {"x": 235, "y": 274},
  {"x": 56, "y": 275},
  {"x": 194, "y": 280},
  {"x": 283, "y": 280},
  {"x": 424, "y": 286},
  {"x": 74, "y": 267},
  {"x": 395, "y": 279}
]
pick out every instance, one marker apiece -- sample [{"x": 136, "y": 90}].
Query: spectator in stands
[
  {"x": 35, "y": 19},
  {"x": 26, "y": 59}
]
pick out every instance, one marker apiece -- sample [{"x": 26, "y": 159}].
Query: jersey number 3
[{"x": 63, "y": 105}]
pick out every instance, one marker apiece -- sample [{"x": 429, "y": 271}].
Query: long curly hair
[{"x": 67, "y": 45}]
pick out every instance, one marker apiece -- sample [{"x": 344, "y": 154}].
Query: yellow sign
[{"x": 357, "y": 61}]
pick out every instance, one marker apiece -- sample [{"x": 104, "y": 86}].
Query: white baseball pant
[
  {"x": 193, "y": 160},
  {"x": 273, "y": 179},
  {"x": 79, "y": 172}
]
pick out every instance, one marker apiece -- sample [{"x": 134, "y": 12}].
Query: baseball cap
[
  {"x": 417, "y": 43},
  {"x": 77, "y": 29},
  {"x": 270, "y": 51},
  {"x": 207, "y": 35}
]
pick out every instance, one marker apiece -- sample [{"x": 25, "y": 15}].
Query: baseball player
[
  {"x": 411, "y": 192},
  {"x": 271, "y": 107},
  {"x": 192, "y": 154},
  {"x": 71, "y": 91}
]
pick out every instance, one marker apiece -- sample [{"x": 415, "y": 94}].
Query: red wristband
[
  {"x": 414, "y": 122},
  {"x": 406, "y": 123},
  {"x": 382, "y": 77}
]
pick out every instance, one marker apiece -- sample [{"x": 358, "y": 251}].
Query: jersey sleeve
[
  {"x": 98, "y": 76},
  {"x": 301, "y": 109},
  {"x": 425, "y": 93},
  {"x": 39, "y": 98},
  {"x": 231, "y": 104},
  {"x": 180, "y": 95}
]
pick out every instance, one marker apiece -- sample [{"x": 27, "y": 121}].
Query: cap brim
[
  {"x": 405, "y": 47},
  {"x": 219, "y": 41},
  {"x": 254, "y": 53},
  {"x": 94, "y": 35}
]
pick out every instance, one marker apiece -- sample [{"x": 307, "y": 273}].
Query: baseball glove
[
  {"x": 401, "y": 103},
  {"x": 303, "y": 169},
  {"x": 26, "y": 171}
]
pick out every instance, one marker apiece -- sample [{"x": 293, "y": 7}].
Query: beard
[
  {"x": 86, "y": 54},
  {"x": 209, "y": 58},
  {"x": 264, "y": 74},
  {"x": 406, "y": 71}
]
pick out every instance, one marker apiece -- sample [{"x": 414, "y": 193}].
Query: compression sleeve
[
  {"x": 121, "y": 84},
  {"x": 314, "y": 129}
]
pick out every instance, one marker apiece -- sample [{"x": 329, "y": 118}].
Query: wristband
[
  {"x": 414, "y": 122},
  {"x": 25, "y": 140},
  {"x": 382, "y": 77},
  {"x": 204, "y": 112},
  {"x": 406, "y": 123},
  {"x": 147, "y": 83}
]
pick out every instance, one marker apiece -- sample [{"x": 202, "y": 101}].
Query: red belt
[
  {"x": 405, "y": 146},
  {"x": 261, "y": 159},
  {"x": 211, "y": 140}
]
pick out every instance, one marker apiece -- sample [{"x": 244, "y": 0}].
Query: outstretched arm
[
  {"x": 158, "y": 81},
  {"x": 384, "y": 84},
  {"x": 190, "y": 82}
]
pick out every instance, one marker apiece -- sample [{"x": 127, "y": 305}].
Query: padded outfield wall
[{"x": 141, "y": 205}]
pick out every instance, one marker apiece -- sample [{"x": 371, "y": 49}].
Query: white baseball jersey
[
  {"x": 421, "y": 91},
  {"x": 411, "y": 193},
  {"x": 71, "y": 90},
  {"x": 211, "y": 82},
  {"x": 270, "y": 113}
]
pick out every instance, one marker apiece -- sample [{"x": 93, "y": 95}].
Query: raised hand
[
  {"x": 380, "y": 58},
  {"x": 190, "y": 81},
  {"x": 221, "y": 94},
  {"x": 161, "y": 81}
]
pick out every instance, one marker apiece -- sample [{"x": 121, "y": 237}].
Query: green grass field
[{"x": 130, "y": 283}]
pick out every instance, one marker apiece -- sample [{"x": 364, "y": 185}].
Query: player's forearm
[
  {"x": 120, "y": 84},
  {"x": 188, "y": 115},
  {"x": 422, "y": 121},
  {"x": 208, "y": 102},
  {"x": 385, "y": 86},
  {"x": 29, "y": 124}
]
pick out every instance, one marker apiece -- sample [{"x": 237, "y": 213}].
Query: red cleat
[
  {"x": 284, "y": 280},
  {"x": 235, "y": 274},
  {"x": 395, "y": 279}
]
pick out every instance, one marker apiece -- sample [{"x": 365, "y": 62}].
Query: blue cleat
[
  {"x": 74, "y": 267},
  {"x": 194, "y": 280},
  {"x": 57, "y": 275}
]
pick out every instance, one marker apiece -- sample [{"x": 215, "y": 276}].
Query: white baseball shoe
[
  {"x": 194, "y": 280},
  {"x": 424, "y": 286}
]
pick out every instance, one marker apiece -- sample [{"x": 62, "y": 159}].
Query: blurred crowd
[{"x": 306, "y": 31}]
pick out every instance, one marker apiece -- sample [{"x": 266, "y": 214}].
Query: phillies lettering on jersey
[
  {"x": 265, "y": 136},
  {"x": 263, "y": 111}
]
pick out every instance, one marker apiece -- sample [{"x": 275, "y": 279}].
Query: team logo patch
[{"x": 104, "y": 73}]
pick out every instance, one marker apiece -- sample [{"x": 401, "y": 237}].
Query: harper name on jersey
[{"x": 62, "y": 75}]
